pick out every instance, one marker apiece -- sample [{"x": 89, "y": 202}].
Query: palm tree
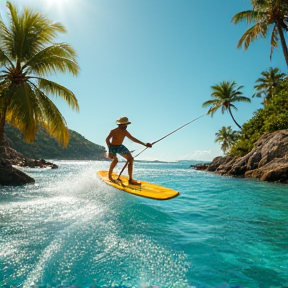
[
  {"x": 265, "y": 14},
  {"x": 227, "y": 137},
  {"x": 27, "y": 56},
  {"x": 283, "y": 3},
  {"x": 268, "y": 83},
  {"x": 223, "y": 96}
]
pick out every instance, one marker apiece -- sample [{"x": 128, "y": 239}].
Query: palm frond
[
  {"x": 4, "y": 59},
  {"x": 258, "y": 30},
  {"x": 274, "y": 40},
  {"x": 249, "y": 15},
  {"x": 7, "y": 33},
  {"x": 264, "y": 15},
  {"x": 234, "y": 107},
  {"x": 56, "y": 57},
  {"x": 50, "y": 87},
  {"x": 213, "y": 109},
  {"x": 38, "y": 32},
  {"x": 242, "y": 99},
  {"x": 227, "y": 137},
  {"x": 209, "y": 103},
  {"x": 238, "y": 88},
  {"x": 52, "y": 120},
  {"x": 27, "y": 53},
  {"x": 5, "y": 37},
  {"x": 29, "y": 108},
  {"x": 23, "y": 111},
  {"x": 28, "y": 33},
  {"x": 224, "y": 95},
  {"x": 4, "y": 86}
]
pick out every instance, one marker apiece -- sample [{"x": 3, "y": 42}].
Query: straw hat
[{"x": 123, "y": 120}]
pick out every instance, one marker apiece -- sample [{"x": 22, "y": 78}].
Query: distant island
[
  {"x": 46, "y": 147},
  {"x": 151, "y": 161}
]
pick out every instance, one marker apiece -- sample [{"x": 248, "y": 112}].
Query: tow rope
[{"x": 160, "y": 140}]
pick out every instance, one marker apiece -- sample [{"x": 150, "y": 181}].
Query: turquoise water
[{"x": 70, "y": 229}]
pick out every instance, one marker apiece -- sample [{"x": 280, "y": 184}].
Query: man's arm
[
  {"x": 108, "y": 139},
  {"x": 137, "y": 141}
]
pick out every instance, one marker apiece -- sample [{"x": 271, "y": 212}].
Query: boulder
[
  {"x": 11, "y": 155},
  {"x": 200, "y": 166},
  {"x": 268, "y": 160},
  {"x": 219, "y": 162},
  {"x": 11, "y": 176},
  {"x": 224, "y": 168},
  {"x": 40, "y": 163},
  {"x": 275, "y": 171}
]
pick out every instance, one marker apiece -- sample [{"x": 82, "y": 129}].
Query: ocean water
[{"x": 70, "y": 229}]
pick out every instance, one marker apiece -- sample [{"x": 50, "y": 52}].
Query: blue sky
[{"x": 155, "y": 61}]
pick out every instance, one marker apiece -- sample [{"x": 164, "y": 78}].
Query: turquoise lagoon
[{"x": 72, "y": 230}]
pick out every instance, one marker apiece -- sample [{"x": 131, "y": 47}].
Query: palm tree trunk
[
  {"x": 2, "y": 131},
  {"x": 234, "y": 118},
  {"x": 283, "y": 42}
]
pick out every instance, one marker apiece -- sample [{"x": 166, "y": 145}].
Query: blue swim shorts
[{"x": 118, "y": 149}]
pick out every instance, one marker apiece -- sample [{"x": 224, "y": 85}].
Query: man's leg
[
  {"x": 130, "y": 160},
  {"x": 112, "y": 166}
]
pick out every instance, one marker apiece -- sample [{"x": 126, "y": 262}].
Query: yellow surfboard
[{"x": 148, "y": 190}]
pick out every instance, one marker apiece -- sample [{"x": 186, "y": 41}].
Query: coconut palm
[
  {"x": 223, "y": 96},
  {"x": 268, "y": 84},
  {"x": 265, "y": 14},
  {"x": 283, "y": 3},
  {"x": 227, "y": 137},
  {"x": 263, "y": 3},
  {"x": 27, "y": 56}
]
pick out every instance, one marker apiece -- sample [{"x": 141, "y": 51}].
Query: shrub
[{"x": 273, "y": 117}]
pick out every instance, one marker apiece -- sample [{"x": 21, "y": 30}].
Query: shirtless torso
[
  {"x": 117, "y": 136},
  {"x": 114, "y": 142}
]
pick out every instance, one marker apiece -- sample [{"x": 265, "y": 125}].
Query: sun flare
[
  {"x": 64, "y": 10},
  {"x": 58, "y": 4}
]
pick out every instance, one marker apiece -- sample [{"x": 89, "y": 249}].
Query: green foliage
[
  {"x": 273, "y": 117},
  {"x": 47, "y": 147},
  {"x": 264, "y": 3},
  {"x": 267, "y": 16},
  {"x": 227, "y": 137},
  {"x": 28, "y": 55},
  {"x": 270, "y": 82},
  {"x": 223, "y": 96}
]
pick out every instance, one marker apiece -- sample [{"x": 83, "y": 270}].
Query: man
[{"x": 115, "y": 147}]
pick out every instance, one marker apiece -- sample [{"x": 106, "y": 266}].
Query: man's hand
[{"x": 149, "y": 145}]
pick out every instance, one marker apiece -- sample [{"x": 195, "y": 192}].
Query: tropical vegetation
[
  {"x": 46, "y": 147},
  {"x": 227, "y": 137},
  {"x": 224, "y": 95},
  {"x": 273, "y": 117},
  {"x": 272, "y": 86},
  {"x": 269, "y": 84},
  {"x": 265, "y": 14},
  {"x": 27, "y": 57}
]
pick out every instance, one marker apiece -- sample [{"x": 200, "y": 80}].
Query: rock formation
[
  {"x": 268, "y": 160},
  {"x": 9, "y": 175}
]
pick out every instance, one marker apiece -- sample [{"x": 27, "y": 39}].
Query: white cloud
[{"x": 201, "y": 155}]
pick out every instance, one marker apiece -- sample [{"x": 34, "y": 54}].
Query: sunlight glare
[
  {"x": 58, "y": 4},
  {"x": 66, "y": 11}
]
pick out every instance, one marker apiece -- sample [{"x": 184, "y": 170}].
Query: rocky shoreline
[
  {"x": 268, "y": 160},
  {"x": 9, "y": 175}
]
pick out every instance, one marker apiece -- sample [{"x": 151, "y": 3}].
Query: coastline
[{"x": 268, "y": 160}]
